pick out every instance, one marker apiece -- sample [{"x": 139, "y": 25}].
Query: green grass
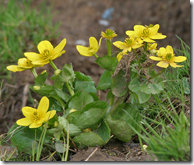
[
  {"x": 166, "y": 119},
  {"x": 21, "y": 28}
]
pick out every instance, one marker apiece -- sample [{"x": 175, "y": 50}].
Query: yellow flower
[
  {"x": 146, "y": 33},
  {"x": 47, "y": 52},
  {"x": 34, "y": 118},
  {"x": 23, "y": 64},
  {"x": 91, "y": 50},
  {"x": 120, "y": 55},
  {"x": 166, "y": 58},
  {"x": 128, "y": 44},
  {"x": 72, "y": 110},
  {"x": 108, "y": 34}
]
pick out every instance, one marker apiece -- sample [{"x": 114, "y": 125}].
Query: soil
[{"x": 80, "y": 20}]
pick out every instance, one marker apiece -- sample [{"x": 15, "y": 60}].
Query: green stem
[
  {"x": 67, "y": 148},
  {"x": 69, "y": 89},
  {"x": 53, "y": 65},
  {"x": 119, "y": 101},
  {"x": 137, "y": 58},
  {"x": 141, "y": 144},
  {"x": 145, "y": 46},
  {"x": 96, "y": 55},
  {"x": 156, "y": 75},
  {"x": 108, "y": 43},
  {"x": 34, "y": 72},
  {"x": 112, "y": 100}
]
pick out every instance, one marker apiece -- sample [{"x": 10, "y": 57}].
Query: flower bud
[
  {"x": 56, "y": 123},
  {"x": 57, "y": 72},
  {"x": 87, "y": 130},
  {"x": 72, "y": 110},
  {"x": 44, "y": 71},
  {"x": 35, "y": 87}
]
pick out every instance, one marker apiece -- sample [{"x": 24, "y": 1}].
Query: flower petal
[
  {"x": 130, "y": 33},
  {"x": 35, "y": 125},
  {"x": 24, "y": 121},
  {"x": 161, "y": 52},
  {"x": 15, "y": 68},
  {"x": 93, "y": 42},
  {"x": 49, "y": 115},
  {"x": 179, "y": 59},
  {"x": 83, "y": 50},
  {"x": 45, "y": 45},
  {"x": 169, "y": 49},
  {"x": 163, "y": 64},
  {"x": 148, "y": 40},
  {"x": 153, "y": 30},
  {"x": 120, "y": 44},
  {"x": 59, "y": 47},
  {"x": 158, "y": 36},
  {"x": 155, "y": 58},
  {"x": 139, "y": 28},
  {"x": 43, "y": 105},
  {"x": 99, "y": 42},
  {"x": 174, "y": 65},
  {"x": 32, "y": 56},
  {"x": 28, "y": 111}
]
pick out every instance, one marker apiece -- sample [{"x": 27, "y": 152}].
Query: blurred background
[{"x": 24, "y": 23}]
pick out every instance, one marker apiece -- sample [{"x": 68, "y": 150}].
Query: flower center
[
  {"x": 129, "y": 42},
  {"x": 91, "y": 48},
  {"x": 168, "y": 57},
  {"x": 45, "y": 54},
  {"x": 145, "y": 32},
  {"x": 36, "y": 116}
]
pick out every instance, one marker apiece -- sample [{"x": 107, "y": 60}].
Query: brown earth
[{"x": 80, "y": 20}]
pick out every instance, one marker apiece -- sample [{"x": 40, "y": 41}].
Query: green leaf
[
  {"x": 120, "y": 129},
  {"x": 97, "y": 104},
  {"x": 85, "y": 83},
  {"x": 41, "y": 79},
  {"x": 89, "y": 139},
  {"x": 24, "y": 137},
  {"x": 82, "y": 77},
  {"x": 107, "y": 62},
  {"x": 73, "y": 129},
  {"x": 129, "y": 113},
  {"x": 105, "y": 81},
  {"x": 62, "y": 94},
  {"x": 143, "y": 97},
  {"x": 186, "y": 86},
  {"x": 104, "y": 131},
  {"x": 88, "y": 86},
  {"x": 90, "y": 117},
  {"x": 79, "y": 100},
  {"x": 134, "y": 85},
  {"x": 65, "y": 76},
  {"x": 119, "y": 85},
  {"x": 109, "y": 95}
]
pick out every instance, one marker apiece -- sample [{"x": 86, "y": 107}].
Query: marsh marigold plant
[
  {"x": 91, "y": 50},
  {"x": 34, "y": 118},
  {"x": 146, "y": 33},
  {"x": 167, "y": 57}
]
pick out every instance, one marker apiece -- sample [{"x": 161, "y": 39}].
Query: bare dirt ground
[{"x": 80, "y": 20}]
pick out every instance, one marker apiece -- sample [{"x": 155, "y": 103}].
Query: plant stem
[
  {"x": 137, "y": 58},
  {"x": 112, "y": 100},
  {"x": 96, "y": 55},
  {"x": 156, "y": 75},
  {"x": 145, "y": 46},
  {"x": 119, "y": 101},
  {"x": 108, "y": 43},
  {"x": 67, "y": 148},
  {"x": 69, "y": 89},
  {"x": 53, "y": 65},
  {"x": 34, "y": 72}
]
